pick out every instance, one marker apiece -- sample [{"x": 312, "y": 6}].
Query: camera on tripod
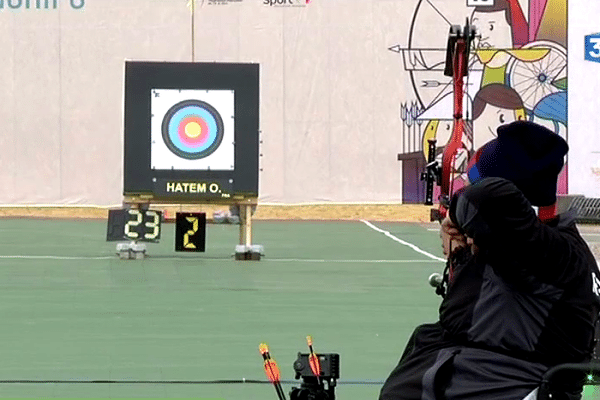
[{"x": 313, "y": 387}]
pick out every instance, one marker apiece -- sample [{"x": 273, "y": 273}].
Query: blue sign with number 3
[{"x": 592, "y": 47}]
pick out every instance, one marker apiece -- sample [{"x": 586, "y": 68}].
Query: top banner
[{"x": 40, "y": 4}]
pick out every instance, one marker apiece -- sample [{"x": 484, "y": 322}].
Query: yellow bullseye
[{"x": 193, "y": 130}]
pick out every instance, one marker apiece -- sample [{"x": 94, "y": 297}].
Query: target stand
[
  {"x": 246, "y": 250},
  {"x": 191, "y": 137}
]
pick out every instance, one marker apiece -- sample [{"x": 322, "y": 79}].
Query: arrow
[
  {"x": 272, "y": 370},
  {"x": 313, "y": 360}
]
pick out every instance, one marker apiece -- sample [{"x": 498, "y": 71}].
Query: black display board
[
  {"x": 190, "y": 232},
  {"x": 134, "y": 225},
  {"x": 191, "y": 131}
]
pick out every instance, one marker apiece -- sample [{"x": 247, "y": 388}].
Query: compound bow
[{"x": 457, "y": 56}]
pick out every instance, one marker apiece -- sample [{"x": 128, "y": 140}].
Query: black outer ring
[{"x": 184, "y": 154}]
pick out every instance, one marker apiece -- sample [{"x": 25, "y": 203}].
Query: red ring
[{"x": 193, "y": 142}]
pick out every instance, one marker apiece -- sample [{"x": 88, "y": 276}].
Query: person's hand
[{"x": 451, "y": 237}]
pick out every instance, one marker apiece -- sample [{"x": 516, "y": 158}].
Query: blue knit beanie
[{"x": 527, "y": 154}]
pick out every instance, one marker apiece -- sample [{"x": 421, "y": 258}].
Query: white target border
[{"x": 161, "y": 158}]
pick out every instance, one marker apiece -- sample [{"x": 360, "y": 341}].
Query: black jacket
[{"x": 529, "y": 299}]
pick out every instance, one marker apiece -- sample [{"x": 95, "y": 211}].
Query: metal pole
[{"x": 193, "y": 30}]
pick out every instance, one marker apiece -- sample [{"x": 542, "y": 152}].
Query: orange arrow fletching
[
  {"x": 272, "y": 371},
  {"x": 315, "y": 364},
  {"x": 313, "y": 360}
]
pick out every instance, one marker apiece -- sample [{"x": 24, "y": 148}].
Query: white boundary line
[
  {"x": 13, "y": 257},
  {"x": 394, "y": 238}
]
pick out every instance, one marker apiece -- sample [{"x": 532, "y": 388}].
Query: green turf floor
[{"x": 70, "y": 310}]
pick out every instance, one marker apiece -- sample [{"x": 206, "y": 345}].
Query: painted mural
[{"x": 517, "y": 70}]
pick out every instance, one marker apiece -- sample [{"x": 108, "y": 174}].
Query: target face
[{"x": 192, "y": 129}]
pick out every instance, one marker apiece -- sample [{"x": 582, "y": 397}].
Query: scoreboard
[
  {"x": 138, "y": 225},
  {"x": 134, "y": 224},
  {"x": 190, "y": 232}
]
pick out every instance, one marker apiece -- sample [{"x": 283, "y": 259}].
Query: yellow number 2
[{"x": 186, "y": 238}]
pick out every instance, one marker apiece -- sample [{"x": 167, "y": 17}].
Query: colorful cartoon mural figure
[{"x": 517, "y": 70}]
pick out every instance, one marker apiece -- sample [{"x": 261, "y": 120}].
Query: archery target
[{"x": 192, "y": 129}]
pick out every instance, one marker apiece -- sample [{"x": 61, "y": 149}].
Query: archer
[{"x": 520, "y": 293}]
